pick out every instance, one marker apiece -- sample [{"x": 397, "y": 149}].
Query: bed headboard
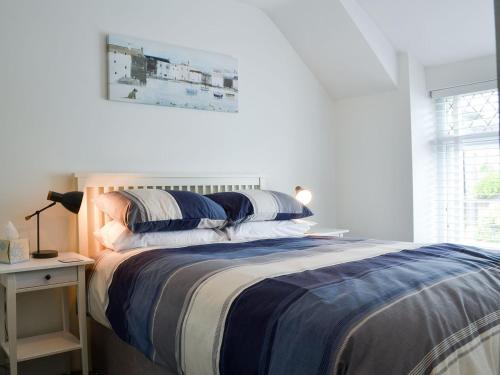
[{"x": 90, "y": 218}]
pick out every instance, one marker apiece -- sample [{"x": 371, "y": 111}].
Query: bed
[{"x": 307, "y": 305}]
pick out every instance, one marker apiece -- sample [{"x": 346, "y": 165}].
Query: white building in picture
[
  {"x": 181, "y": 72},
  {"x": 163, "y": 69},
  {"x": 119, "y": 62},
  {"x": 195, "y": 76},
  {"x": 217, "y": 79}
]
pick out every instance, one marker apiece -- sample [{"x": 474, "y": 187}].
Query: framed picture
[{"x": 147, "y": 72}]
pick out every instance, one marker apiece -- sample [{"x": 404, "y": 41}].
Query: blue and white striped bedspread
[{"x": 306, "y": 306}]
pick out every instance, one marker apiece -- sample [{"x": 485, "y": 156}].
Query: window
[{"x": 468, "y": 166}]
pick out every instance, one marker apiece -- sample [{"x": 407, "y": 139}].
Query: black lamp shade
[{"x": 71, "y": 201}]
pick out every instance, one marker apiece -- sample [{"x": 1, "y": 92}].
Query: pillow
[
  {"x": 154, "y": 210},
  {"x": 260, "y": 205},
  {"x": 268, "y": 229},
  {"x": 115, "y": 236}
]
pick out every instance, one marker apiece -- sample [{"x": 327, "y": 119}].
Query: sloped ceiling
[
  {"x": 339, "y": 43},
  {"x": 351, "y": 45}
]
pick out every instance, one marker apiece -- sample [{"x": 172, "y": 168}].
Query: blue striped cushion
[
  {"x": 260, "y": 205},
  {"x": 154, "y": 210}
]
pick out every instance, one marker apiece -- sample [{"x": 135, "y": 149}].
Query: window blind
[{"x": 468, "y": 161}]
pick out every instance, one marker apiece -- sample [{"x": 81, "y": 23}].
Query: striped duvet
[{"x": 311, "y": 305}]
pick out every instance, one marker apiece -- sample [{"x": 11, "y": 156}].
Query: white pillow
[
  {"x": 115, "y": 236},
  {"x": 254, "y": 230}
]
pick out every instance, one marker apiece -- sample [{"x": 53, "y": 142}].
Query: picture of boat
[{"x": 148, "y": 72}]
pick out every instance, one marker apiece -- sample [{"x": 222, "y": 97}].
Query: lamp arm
[
  {"x": 37, "y": 214},
  {"x": 40, "y": 211}
]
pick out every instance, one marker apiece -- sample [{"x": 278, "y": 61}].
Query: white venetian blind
[{"x": 468, "y": 196}]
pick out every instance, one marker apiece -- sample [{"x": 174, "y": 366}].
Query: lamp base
[{"x": 43, "y": 254}]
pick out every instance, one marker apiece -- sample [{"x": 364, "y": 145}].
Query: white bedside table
[
  {"x": 39, "y": 274},
  {"x": 319, "y": 231}
]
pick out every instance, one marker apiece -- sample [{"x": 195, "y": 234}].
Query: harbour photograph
[{"x": 155, "y": 73}]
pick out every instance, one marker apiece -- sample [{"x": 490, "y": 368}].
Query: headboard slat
[{"x": 91, "y": 219}]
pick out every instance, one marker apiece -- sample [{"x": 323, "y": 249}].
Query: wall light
[{"x": 304, "y": 196}]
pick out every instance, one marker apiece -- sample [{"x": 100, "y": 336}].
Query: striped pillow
[
  {"x": 260, "y": 205},
  {"x": 154, "y": 210}
]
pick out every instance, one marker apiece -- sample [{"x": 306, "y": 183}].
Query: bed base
[{"x": 112, "y": 356}]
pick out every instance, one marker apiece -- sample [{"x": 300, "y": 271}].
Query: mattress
[{"x": 309, "y": 305}]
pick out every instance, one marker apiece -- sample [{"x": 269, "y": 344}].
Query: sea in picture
[{"x": 163, "y": 74}]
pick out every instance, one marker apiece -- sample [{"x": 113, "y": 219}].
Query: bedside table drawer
[{"x": 46, "y": 277}]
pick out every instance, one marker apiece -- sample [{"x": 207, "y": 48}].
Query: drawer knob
[{"x": 48, "y": 277}]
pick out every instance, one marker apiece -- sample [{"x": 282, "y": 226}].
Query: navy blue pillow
[
  {"x": 259, "y": 205},
  {"x": 155, "y": 210}
]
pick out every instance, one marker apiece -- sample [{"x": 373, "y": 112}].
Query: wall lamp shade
[
  {"x": 304, "y": 196},
  {"x": 71, "y": 201}
]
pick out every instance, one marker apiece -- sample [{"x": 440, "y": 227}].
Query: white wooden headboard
[{"x": 91, "y": 219}]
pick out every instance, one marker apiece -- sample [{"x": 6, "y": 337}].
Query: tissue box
[{"x": 14, "y": 251}]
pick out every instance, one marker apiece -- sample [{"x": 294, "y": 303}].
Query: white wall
[
  {"x": 55, "y": 119},
  {"x": 385, "y": 161},
  {"x": 384, "y": 156},
  {"x": 461, "y": 73},
  {"x": 373, "y": 163},
  {"x": 424, "y": 166}
]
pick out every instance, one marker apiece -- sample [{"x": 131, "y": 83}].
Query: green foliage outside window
[
  {"x": 488, "y": 228},
  {"x": 489, "y": 185},
  {"x": 488, "y": 188}
]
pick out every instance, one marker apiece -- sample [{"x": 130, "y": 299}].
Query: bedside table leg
[
  {"x": 2, "y": 314},
  {"x": 82, "y": 316},
  {"x": 65, "y": 309},
  {"x": 12, "y": 323},
  {"x": 65, "y": 322}
]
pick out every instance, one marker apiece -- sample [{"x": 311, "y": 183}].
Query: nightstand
[
  {"x": 40, "y": 274},
  {"x": 319, "y": 231}
]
